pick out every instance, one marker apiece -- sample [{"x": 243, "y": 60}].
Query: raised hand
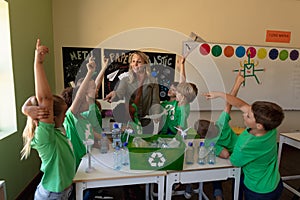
[
  {"x": 110, "y": 96},
  {"x": 40, "y": 51},
  {"x": 91, "y": 65},
  {"x": 182, "y": 77},
  {"x": 239, "y": 79},
  {"x": 105, "y": 61}
]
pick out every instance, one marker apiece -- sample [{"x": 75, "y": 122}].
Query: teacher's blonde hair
[{"x": 146, "y": 60}]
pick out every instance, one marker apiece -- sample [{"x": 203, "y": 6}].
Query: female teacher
[{"x": 145, "y": 100}]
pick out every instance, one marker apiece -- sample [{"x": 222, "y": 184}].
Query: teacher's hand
[{"x": 110, "y": 96}]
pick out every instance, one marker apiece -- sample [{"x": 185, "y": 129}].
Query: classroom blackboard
[
  {"x": 271, "y": 73},
  {"x": 162, "y": 68},
  {"x": 75, "y": 59},
  {"x": 74, "y": 63}
]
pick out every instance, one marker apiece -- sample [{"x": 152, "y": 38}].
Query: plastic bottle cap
[
  {"x": 190, "y": 144},
  {"x": 116, "y": 126},
  {"x": 125, "y": 144},
  {"x": 201, "y": 144}
]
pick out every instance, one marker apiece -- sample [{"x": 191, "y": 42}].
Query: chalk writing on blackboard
[
  {"x": 162, "y": 66},
  {"x": 117, "y": 66},
  {"x": 74, "y": 63}
]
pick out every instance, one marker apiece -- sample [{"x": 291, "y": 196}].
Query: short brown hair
[
  {"x": 206, "y": 128},
  {"x": 67, "y": 95},
  {"x": 58, "y": 104},
  {"x": 269, "y": 114}
]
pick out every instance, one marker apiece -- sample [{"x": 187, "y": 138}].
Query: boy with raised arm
[{"x": 255, "y": 150}]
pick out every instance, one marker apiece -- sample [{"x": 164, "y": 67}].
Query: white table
[
  {"x": 292, "y": 139},
  {"x": 104, "y": 176},
  {"x": 196, "y": 173}
]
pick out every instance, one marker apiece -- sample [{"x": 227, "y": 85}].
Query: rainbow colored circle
[
  {"x": 261, "y": 53},
  {"x": 204, "y": 49},
  {"x": 228, "y": 51},
  {"x": 252, "y": 52},
  {"x": 294, "y": 55},
  {"x": 283, "y": 55},
  {"x": 273, "y": 54},
  {"x": 240, "y": 51},
  {"x": 216, "y": 50}
]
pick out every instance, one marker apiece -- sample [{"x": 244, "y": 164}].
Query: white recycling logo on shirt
[{"x": 157, "y": 159}]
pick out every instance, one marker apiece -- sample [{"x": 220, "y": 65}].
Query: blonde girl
[{"x": 47, "y": 139}]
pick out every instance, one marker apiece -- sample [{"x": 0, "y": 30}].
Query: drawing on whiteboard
[{"x": 249, "y": 68}]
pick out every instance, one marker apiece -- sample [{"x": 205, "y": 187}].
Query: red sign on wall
[{"x": 278, "y": 36}]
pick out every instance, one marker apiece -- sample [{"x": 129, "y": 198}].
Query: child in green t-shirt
[
  {"x": 185, "y": 94},
  {"x": 212, "y": 132},
  {"x": 170, "y": 105},
  {"x": 83, "y": 108},
  {"x": 255, "y": 150},
  {"x": 46, "y": 137},
  {"x": 178, "y": 107},
  {"x": 83, "y": 114}
]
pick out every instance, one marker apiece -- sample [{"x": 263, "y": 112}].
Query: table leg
[
  {"x": 171, "y": 179},
  {"x": 80, "y": 186},
  {"x": 147, "y": 191},
  {"x": 200, "y": 190},
  {"x": 281, "y": 138},
  {"x": 237, "y": 178},
  {"x": 161, "y": 187}
]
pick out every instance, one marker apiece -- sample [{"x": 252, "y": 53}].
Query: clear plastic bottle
[
  {"x": 189, "y": 154},
  {"x": 125, "y": 154},
  {"x": 202, "y": 154},
  {"x": 116, "y": 136},
  {"x": 117, "y": 159},
  {"x": 211, "y": 157},
  {"x": 104, "y": 144}
]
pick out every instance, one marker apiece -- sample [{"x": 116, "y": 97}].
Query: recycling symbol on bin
[{"x": 156, "y": 159}]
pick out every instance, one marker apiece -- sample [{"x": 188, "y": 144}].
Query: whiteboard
[{"x": 271, "y": 73}]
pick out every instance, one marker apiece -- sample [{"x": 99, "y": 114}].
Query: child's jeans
[
  {"x": 250, "y": 195},
  {"x": 42, "y": 194}
]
